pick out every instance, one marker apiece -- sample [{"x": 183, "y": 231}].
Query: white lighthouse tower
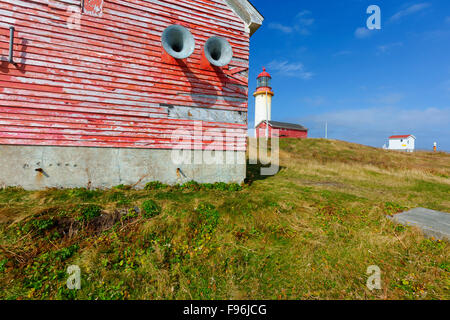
[{"x": 263, "y": 99}]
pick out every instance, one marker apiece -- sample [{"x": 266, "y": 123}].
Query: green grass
[{"x": 309, "y": 232}]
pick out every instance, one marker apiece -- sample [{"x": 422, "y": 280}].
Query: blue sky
[{"x": 368, "y": 84}]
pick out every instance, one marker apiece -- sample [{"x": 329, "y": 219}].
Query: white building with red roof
[{"x": 402, "y": 143}]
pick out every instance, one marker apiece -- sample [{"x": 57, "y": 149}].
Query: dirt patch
[
  {"x": 67, "y": 227},
  {"x": 325, "y": 184},
  {"x": 7, "y": 215},
  {"x": 70, "y": 227}
]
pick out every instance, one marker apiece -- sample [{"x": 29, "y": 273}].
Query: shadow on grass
[{"x": 254, "y": 172}]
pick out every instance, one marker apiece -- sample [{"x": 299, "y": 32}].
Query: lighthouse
[
  {"x": 263, "y": 113},
  {"x": 263, "y": 98}
]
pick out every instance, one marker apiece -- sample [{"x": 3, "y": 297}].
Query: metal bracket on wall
[{"x": 11, "y": 45}]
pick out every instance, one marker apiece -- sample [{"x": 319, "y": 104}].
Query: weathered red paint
[
  {"x": 93, "y": 7},
  {"x": 102, "y": 84},
  {"x": 280, "y": 132}
]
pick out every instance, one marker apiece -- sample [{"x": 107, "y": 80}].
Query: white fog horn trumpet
[
  {"x": 178, "y": 41},
  {"x": 218, "y": 51}
]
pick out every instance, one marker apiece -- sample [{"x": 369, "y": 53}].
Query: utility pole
[{"x": 326, "y": 129}]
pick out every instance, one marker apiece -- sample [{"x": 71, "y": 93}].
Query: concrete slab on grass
[{"x": 432, "y": 223}]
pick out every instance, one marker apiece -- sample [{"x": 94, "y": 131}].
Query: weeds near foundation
[
  {"x": 194, "y": 186},
  {"x": 150, "y": 209}
]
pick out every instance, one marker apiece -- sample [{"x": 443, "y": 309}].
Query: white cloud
[
  {"x": 303, "y": 13},
  {"x": 291, "y": 69},
  {"x": 281, "y": 27},
  {"x": 342, "y": 53},
  {"x": 373, "y": 126},
  {"x": 303, "y": 31},
  {"x": 409, "y": 11},
  {"x": 437, "y": 34},
  {"x": 303, "y": 21},
  {"x": 362, "y": 33},
  {"x": 307, "y": 21},
  {"x": 388, "y": 47},
  {"x": 389, "y": 99},
  {"x": 388, "y": 118},
  {"x": 315, "y": 101}
]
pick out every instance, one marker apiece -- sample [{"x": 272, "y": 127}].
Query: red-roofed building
[
  {"x": 263, "y": 113},
  {"x": 282, "y": 130},
  {"x": 402, "y": 142},
  {"x": 100, "y": 93}
]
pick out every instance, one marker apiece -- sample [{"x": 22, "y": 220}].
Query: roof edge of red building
[
  {"x": 283, "y": 125},
  {"x": 401, "y": 136}
]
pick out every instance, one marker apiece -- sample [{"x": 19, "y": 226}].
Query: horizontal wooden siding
[{"x": 109, "y": 83}]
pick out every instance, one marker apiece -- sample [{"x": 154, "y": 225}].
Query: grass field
[{"x": 309, "y": 232}]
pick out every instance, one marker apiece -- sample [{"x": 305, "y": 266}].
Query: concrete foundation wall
[{"x": 71, "y": 167}]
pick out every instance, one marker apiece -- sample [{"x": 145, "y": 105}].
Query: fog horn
[
  {"x": 178, "y": 41},
  {"x": 218, "y": 51}
]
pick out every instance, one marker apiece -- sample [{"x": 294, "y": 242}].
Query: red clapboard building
[
  {"x": 282, "y": 130},
  {"x": 101, "y": 92}
]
